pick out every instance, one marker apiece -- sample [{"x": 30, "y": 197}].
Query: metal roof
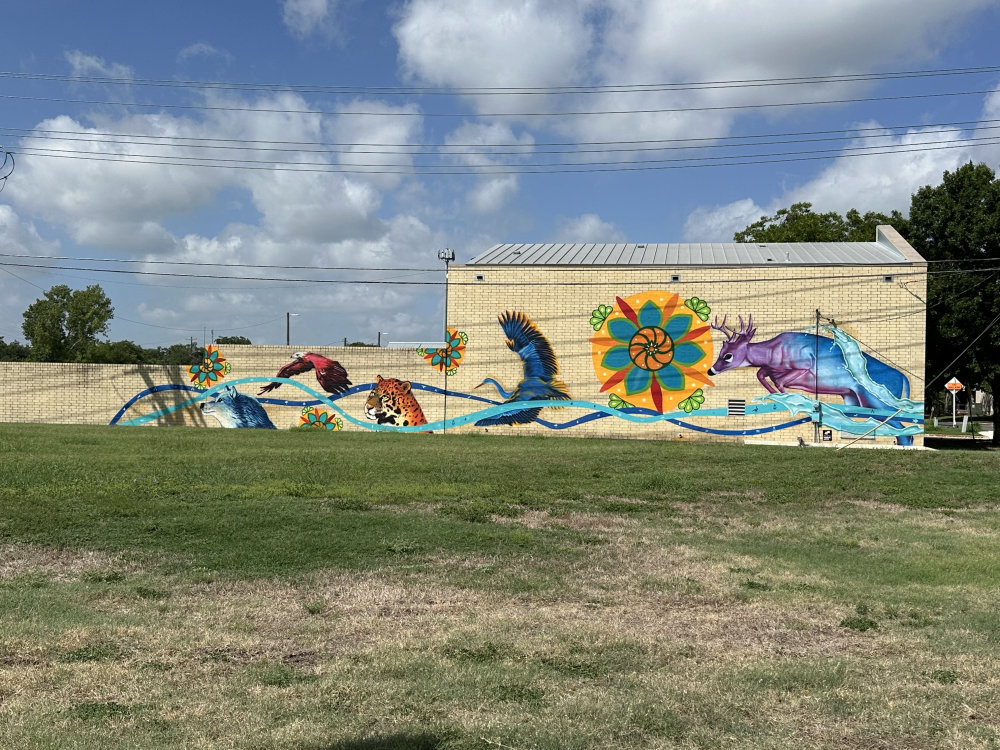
[{"x": 881, "y": 252}]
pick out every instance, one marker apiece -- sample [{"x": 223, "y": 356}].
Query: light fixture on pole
[
  {"x": 380, "y": 335},
  {"x": 447, "y": 255},
  {"x": 288, "y": 327}
]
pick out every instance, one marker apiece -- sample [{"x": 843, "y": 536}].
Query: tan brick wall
[
  {"x": 886, "y": 318},
  {"x": 93, "y": 394}
]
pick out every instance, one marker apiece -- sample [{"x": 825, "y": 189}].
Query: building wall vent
[
  {"x": 736, "y": 407},
  {"x": 675, "y": 277}
]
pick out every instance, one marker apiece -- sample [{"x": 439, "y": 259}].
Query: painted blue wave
[{"x": 595, "y": 411}]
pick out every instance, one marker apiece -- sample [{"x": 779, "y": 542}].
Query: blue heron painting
[{"x": 540, "y": 369}]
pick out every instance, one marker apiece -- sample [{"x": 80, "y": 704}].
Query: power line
[
  {"x": 414, "y": 268},
  {"x": 487, "y": 170},
  {"x": 505, "y": 90},
  {"x": 201, "y": 263},
  {"x": 173, "y": 274},
  {"x": 198, "y": 160},
  {"x": 268, "y": 145},
  {"x": 418, "y": 150},
  {"x": 400, "y": 113}
]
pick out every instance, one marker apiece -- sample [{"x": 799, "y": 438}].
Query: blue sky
[{"x": 456, "y": 100}]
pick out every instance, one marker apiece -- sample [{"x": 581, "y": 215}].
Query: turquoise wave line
[{"x": 498, "y": 408}]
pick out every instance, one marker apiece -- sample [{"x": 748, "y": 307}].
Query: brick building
[{"x": 696, "y": 341}]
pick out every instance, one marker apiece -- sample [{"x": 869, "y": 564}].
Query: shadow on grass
[
  {"x": 949, "y": 443},
  {"x": 403, "y": 741}
]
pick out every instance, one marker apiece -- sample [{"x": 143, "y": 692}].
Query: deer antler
[{"x": 728, "y": 330}]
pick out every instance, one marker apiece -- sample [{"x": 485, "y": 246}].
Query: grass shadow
[{"x": 400, "y": 741}]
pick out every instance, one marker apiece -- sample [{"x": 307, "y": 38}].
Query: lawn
[{"x": 205, "y": 588}]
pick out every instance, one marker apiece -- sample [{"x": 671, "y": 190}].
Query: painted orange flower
[{"x": 655, "y": 352}]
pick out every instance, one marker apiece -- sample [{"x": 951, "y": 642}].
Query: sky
[{"x": 233, "y": 168}]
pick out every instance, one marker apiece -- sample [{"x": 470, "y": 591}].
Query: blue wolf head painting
[{"x": 235, "y": 409}]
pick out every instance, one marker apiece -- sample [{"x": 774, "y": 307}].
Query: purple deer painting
[{"x": 789, "y": 361}]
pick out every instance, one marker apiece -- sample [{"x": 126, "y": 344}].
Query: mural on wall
[
  {"x": 450, "y": 357},
  {"x": 313, "y": 417},
  {"x": 235, "y": 409},
  {"x": 652, "y": 355},
  {"x": 539, "y": 382},
  {"x": 654, "y": 352},
  {"x": 331, "y": 375},
  {"x": 815, "y": 364},
  {"x": 392, "y": 402},
  {"x": 212, "y": 368}
]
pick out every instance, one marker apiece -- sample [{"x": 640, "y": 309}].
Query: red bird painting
[{"x": 330, "y": 374}]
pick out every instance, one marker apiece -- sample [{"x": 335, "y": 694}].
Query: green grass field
[{"x": 205, "y": 588}]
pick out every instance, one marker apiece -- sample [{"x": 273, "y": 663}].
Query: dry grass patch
[{"x": 59, "y": 564}]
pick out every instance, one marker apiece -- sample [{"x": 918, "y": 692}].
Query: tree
[
  {"x": 800, "y": 224},
  {"x": 63, "y": 325},
  {"x": 958, "y": 222},
  {"x": 233, "y": 340},
  {"x": 15, "y": 351},
  {"x": 120, "y": 353}
]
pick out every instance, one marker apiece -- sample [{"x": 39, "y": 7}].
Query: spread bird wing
[
  {"x": 333, "y": 377},
  {"x": 295, "y": 367},
  {"x": 524, "y": 338},
  {"x": 523, "y": 416}
]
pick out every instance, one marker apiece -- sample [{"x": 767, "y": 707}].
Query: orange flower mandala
[{"x": 654, "y": 352}]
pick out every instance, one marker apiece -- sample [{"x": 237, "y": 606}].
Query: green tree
[
  {"x": 181, "y": 354},
  {"x": 958, "y": 222},
  {"x": 65, "y": 323},
  {"x": 121, "y": 353},
  {"x": 14, "y": 351},
  {"x": 233, "y": 340},
  {"x": 801, "y": 224}
]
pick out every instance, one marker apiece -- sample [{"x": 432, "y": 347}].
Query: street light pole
[{"x": 447, "y": 255}]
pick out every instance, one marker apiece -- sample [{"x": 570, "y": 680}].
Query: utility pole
[
  {"x": 288, "y": 327},
  {"x": 819, "y": 422},
  {"x": 447, "y": 255}
]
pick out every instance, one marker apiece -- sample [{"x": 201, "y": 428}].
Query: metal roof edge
[{"x": 887, "y": 235}]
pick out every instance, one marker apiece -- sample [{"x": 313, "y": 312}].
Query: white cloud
[
  {"x": 82, "y": 64},
  {"x": 494, "y": 43},
  {"x": 869, "y": 182},
  {"x": 17, "y": 286},
  {"x": 202, "y": 49},
  {"x": 376, "y": 140},
  {"x": 490, "y": 194},
  {"x": 719, "y": 223},
  {"x": 467, "y": 43},
  {"x": 306, "y": 17},
  {"x": 109, "y": 203},
  {"x": 587, "y": 228},
  {"x": 483, "y": 146}
]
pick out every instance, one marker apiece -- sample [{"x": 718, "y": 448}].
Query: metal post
[
  {"x": 818, "y": 423},
  {"x": 447, "y": 255},
  {"x": 288, "y": 329}
]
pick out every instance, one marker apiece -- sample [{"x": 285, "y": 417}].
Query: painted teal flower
[
  {"x": 321, "y": 420},
  {"x": 653, "y": 345},
  {"x": 212, "y": 369}
]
